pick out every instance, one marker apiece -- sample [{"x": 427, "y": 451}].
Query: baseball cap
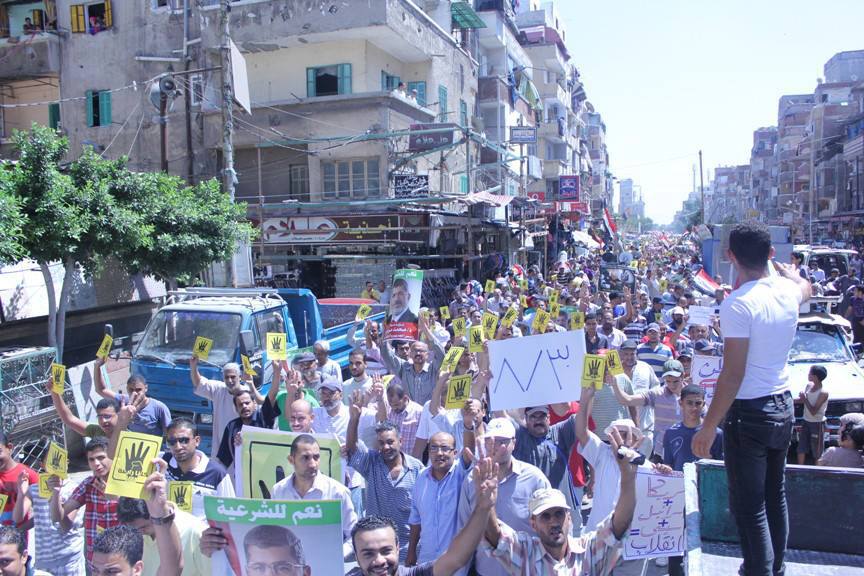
[
  {"x": 331, "y": 384},
  {"x": 500, "y": 428},
  {"x": 677, "y": 310},
  {"x": 532, "y": 409},
  {"x": 546, "y": 498},
  {"x": 704, "y": 345},
  {"x": 304, "y": 357},
  {"x": 687, "y": 352},
  {"x": 629, "y": 345},
  {"x": 653, "y": 326},
  {"x": 673, "y": 368},
  {"x": 656, "y": 300}
]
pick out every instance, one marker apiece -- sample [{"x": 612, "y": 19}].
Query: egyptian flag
[
  {"x": 609, "y": 222},
  {"x": 704, "y": 283},
  {"x": 593, "y": 233}
]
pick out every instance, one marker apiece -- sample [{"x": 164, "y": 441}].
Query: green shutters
[
  {"x": 463, "y": 184},
  {"x": 421, "y": 91},
  {"x": 91, "y": 109},
  {"x": 98, "y": 108},
  {"x": 442, "y": 103},
  {"x": 463, "y": 112},
  {"x": 389, "y": 82},
  {"x": 344, "y": 78},
  {"x": 54, "y": 116},
  {"x": 104, "y": 108},
  {"x": 310, "y": 82}
]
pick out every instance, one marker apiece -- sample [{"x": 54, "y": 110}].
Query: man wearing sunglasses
[{"x": 188, "y": 464}]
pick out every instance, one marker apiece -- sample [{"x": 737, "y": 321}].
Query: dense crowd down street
[{"x": 426, "y": 473}]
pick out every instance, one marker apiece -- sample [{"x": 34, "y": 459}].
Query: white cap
[
  {"x": 500, "y": 428},
  {"x": 546, "y": 498}
]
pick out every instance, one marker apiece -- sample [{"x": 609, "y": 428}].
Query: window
[
  {"x": 196, "y": 89},
  {"x": 328, "y": 80},
  {"x": 461, "y": 78},
  {"x": 421, "y": 91},
  {"x": 463, "y": 112},
  {"x": 389, "y": 82},
  {"x": 299, "y": 182},
  {"x": 463, "y": 184},
  {"x": 98, "y": 108},
  {"x": 442, "y": 103},
  {"x": 351, "y": 179},
  {"x": 91, "y": 18},
  {"x": 54, "y": 116}
]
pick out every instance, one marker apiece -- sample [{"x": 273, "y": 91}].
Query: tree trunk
[
  {"x": 52, "y": 306},
  {"x": 63, "y": 304}
]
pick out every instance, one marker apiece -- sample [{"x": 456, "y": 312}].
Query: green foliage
[{"x": 11, "y": 220}]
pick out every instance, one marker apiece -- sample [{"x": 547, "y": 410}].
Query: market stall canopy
[
  {"x": 585, "y": 238},
  {"x": 487, "y": 197}
]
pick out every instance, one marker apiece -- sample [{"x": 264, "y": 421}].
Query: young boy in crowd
[
  {"x": 676, "y": 445},
  {"x": 811, "y": 438}
]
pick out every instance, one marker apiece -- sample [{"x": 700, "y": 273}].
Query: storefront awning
[
  {"x": 486, "y": 197},
  {"x": 464, "y": 17}
]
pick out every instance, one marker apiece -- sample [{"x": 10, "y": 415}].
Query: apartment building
[{"x": 763, "y": 174}]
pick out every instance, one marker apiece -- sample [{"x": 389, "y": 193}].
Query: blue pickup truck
[{"x": 237, "y": 320}]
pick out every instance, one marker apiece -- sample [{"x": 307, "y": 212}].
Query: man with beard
[
  {"x": 435, "y": 499},
  {"x": 376, "y": 540},
  {"x": 307, "y": 483},
  {"x": 250, "y": 415},
  {"x": 390, "y": 474},
  {"x": 359, "y": 380},
  {"x": 654, "y": 352},
  {"x": 517, "y": 481},
  {"x": 638, "y": 377},
  {"x": 188, "y": 464},
  {"x": 418, "y": 373},
  {"x": 549, "y": 548},
  {"x": 614, "y": 336}
]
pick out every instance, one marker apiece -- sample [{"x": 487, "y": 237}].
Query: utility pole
[
  {"x": 227, "y": 101},
  {"x": 701, "y": 187},
  {"x": 468, "y": 193},
  {"x": 163, "y": 130}
]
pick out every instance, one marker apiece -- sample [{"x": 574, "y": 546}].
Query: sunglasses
[{"x": 175, "y": 441}]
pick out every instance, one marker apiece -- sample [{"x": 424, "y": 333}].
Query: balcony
[
  {"x": 494, "y": 91},
  {"x": 554, "y": 91},
  {"x": 30, "y": 56},
  {"x": 548, "y": 55},
  {"x": 555, "y": 168}
]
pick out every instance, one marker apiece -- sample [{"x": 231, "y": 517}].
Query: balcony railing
[{"x": 30, "y": 56}]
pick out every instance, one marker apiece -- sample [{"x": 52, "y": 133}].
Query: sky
[{"x": 671, "y": 77}]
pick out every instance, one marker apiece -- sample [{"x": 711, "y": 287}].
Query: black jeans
[{"x": 756, "y": 437}]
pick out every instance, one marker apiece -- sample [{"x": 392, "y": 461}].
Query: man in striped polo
[{"x": 654, "y": 352}]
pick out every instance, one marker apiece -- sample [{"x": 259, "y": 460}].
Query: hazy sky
[{"x": 673, "y": 76}]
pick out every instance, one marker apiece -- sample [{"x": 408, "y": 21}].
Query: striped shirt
[
  {"x": 57, "y": 552},
  {"x": 522, "y": 553},
  {"x": 654, "y": 356},
  {"x": 667, "y": 413},
  {"x": 407, "y": 421},
  {"x": 386, "y": 496},
  {"x": 100, "y": 511}
]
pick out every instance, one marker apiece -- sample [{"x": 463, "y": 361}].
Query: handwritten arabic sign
[
  {"x": 262, "y": 460},
  {"x": 411, "y": 185},
  {"x": 313, "y": 528},
  {"x": 657, "y": 529},
  {"x": 535, "y": 370},
  {"x": 701, "y": 315},
  {"x": 704, "y": 371}
]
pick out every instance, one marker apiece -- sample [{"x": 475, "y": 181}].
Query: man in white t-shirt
[{"x": 759, "y": 320}]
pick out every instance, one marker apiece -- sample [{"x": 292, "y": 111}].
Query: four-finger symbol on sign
[
  {"x": 594, "y": 369},
  {"x": 276, "y": 343},
  {"x": 180, "y": 495},
  {"x": 134, "y": 466}
]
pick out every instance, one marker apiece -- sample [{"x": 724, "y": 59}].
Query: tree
[
  {"x": 98, "y": 209},
  {"x": 11, "y": 220}
]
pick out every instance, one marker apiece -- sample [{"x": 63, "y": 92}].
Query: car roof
[
  {"x": 820, "y": 318},
  {"x": 228, "y": 304}
]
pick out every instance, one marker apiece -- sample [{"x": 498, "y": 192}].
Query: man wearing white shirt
[
  {"x": 752, "y": 398},
  {"x": 307, "y": 483},
  {"x": 326, "y": 367},
  {"x": 359, "y": 380}
]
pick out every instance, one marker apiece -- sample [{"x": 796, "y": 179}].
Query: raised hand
[
  {"x": 212, "y": 540},
  {"x": 23, "y": 484},
  {"x": 376, "y": 392},
  {"x": 486, "y": 483},
  {"x": 156, "y": 488},
  {"x": 628, "y": 470},
  {"x": 356, "y": 406}
]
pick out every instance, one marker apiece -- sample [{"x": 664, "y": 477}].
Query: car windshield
[
  {"x": 172, "y": 333},
  {"x": 819, "y": 343}
]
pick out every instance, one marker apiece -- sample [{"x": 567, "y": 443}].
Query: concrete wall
[{"x": 22, "y": 92}]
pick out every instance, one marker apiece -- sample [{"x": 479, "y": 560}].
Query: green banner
[{"x": 273, "y": 512}]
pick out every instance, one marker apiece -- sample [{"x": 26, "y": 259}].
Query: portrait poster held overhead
[
  {"x": 401, "y": 320},
  {"x": 277, "y": 537},
  {"x": 262, "y": 460},
  {"x": 705, "y": 371},
  {"x": 536, "y": 370},
  {"x": 657, "y": 529}
]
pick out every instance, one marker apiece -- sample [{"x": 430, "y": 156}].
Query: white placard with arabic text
[
  {"x": 536, "y": 370},
  {"x": 704, "y": 371},
  {"x": 657, "y": 529}
]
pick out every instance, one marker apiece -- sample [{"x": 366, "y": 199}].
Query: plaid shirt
[
  {"x": 100, "y": 511},
  {"x": 593, "y": 554},
  {"x": 407, "y": 421}
]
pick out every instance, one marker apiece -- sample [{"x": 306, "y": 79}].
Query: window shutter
[
  {"x": 463, "y": 112},
  {"x": 105, "y": 108},
  {"x": 89, "y": 100},
  {"x": 37, "y": 18},
  {"x": 344, "y": 78},
  {"x": 383, "y": 81},
  {"x": 310, "y": 83},
  {"x": 108, "y": 18},
  {"x": 54, "y": 115},
  {"x": 442, "y": 103},
  {"x": 463, "y": 184},
  {"x": 76, "y": 12}
]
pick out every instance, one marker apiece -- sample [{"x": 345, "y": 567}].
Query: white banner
[
  {"x": 704, "y": 372},
  {"x": 536, "y": 370}
]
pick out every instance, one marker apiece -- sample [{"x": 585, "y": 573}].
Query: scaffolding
[{"x": 27, "y": 414}]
